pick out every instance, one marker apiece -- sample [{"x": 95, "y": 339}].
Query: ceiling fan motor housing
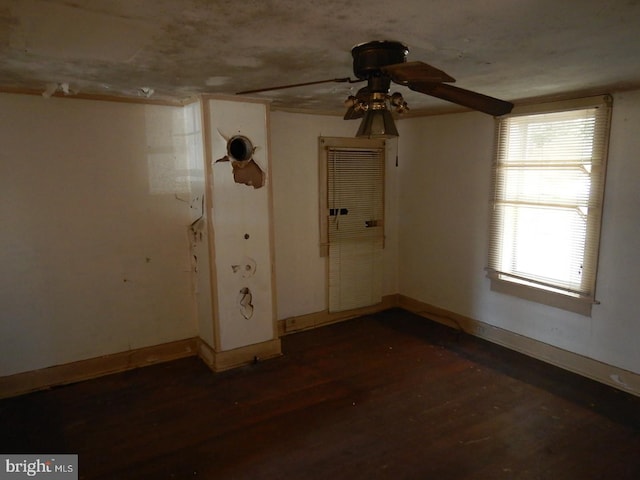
[{"x": 369, "y": 57}]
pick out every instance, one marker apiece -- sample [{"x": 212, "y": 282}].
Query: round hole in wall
[{"x": 240, "y": 148}]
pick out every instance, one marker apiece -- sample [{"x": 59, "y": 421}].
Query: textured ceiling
[{"x": 168, "y": 49}]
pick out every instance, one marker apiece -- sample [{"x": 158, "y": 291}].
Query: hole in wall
[
  {"x": 240, "y": 148},
  {"x": 244, "y": 302},
  {"x": 247, "y": 268},
  {"x": 245, "y": 170}
]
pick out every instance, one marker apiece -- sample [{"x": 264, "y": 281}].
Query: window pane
[
  {"x": 547, "y": 203},
  {"x": 553, "y": 137},
  {"x": 570, "y": 186},
  {"x": 544, "y": 244}
]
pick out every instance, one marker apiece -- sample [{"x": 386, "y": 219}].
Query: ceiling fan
[{"x": 381, "y": 62}]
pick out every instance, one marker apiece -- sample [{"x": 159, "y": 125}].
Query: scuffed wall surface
[
  {"x": 445, "y": 166},
  {"x": 198, "y": 232},
  {"x": 94, "y": 243}
]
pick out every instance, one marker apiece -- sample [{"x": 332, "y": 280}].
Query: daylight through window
[{"x": 547, "y": 204}]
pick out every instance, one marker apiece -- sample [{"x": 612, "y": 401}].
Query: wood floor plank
[{"x": 389, "y": 395}]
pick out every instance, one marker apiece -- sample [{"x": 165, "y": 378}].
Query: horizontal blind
[
  {"x": 355, "y": 197},
  {"x": 355, "y": 226},
  {"x": 548, "y": 190}
]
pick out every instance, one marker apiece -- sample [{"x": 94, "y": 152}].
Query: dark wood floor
[{"x": 390, "y": 395}]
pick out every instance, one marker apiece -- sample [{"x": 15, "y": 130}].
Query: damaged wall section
[
  {"x": 240, "y": 212},
  {"x": 246, "y": 171},
  {"x": 198, "y": 232}
]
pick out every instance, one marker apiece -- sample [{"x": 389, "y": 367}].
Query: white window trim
[
  {"x": 509, "y": 284},
  {"x": 324, "y": 143}
]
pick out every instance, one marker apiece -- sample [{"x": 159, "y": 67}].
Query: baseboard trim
[
  {"x": 238, "y": 357},
  {"x": 324, "y": 317},
  {"x": 26, "y": 382},
  {"x": 587, "y": 367},
  {"x": 21, "y": 383}
]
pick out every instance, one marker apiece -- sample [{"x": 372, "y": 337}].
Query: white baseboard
[{"x": 587, "y": 367}]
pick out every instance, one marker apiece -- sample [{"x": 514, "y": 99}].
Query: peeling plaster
[
  {"x": 245, "y": 170},
  {"x": 52, "y": 88},
  {"x": 247, "y": 268},
  {"x": 147, "y": 91},
  {"x": 247, "y": 173}
]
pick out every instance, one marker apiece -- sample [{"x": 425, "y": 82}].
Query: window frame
[
  {"x": 508, "y": 282},
  {"x": 324, "y": 144}
]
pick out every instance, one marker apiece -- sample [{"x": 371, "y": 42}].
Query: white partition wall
[
  {"x": 93, "y": 244},
  {"x": 239, "y": 232}
]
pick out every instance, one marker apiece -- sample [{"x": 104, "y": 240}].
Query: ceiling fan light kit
[
  {"x": 377, "y": 121},
  {"x": 381, "y": 62},
  {"x": 377, "y": 124}
]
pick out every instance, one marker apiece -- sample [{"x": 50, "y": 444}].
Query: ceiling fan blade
[
  {"x": 281, "y": 87},
  {"x": 466, "y": 98},
  {"x": 414, "y": 72}
]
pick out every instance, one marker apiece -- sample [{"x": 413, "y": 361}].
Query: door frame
[{"x": 324, "y": 143}]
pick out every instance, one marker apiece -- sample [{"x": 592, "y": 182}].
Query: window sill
[{"x": 579, "y": 305}]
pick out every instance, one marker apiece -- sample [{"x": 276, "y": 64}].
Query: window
[
  {"x": 352, "y": 219},
  {"x": 548, "y": 188}
]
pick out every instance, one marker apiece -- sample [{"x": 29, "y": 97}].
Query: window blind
[
  {"x": 548, "y": 179},
  {"x": 355, "y": 201},
  {"x": 355, "y": 197}
]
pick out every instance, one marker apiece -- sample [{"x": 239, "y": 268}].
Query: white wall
[
  {"x": 616, "y": 325},
  {"x": 94, "y": 217},
  {"x": 444, "y": 189},
  {"x": 94, "y": 244},
  {"x": 300, "y": 271},
  {"x": 444, "y": 166},
  {"x": 199, "y": 234}
]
